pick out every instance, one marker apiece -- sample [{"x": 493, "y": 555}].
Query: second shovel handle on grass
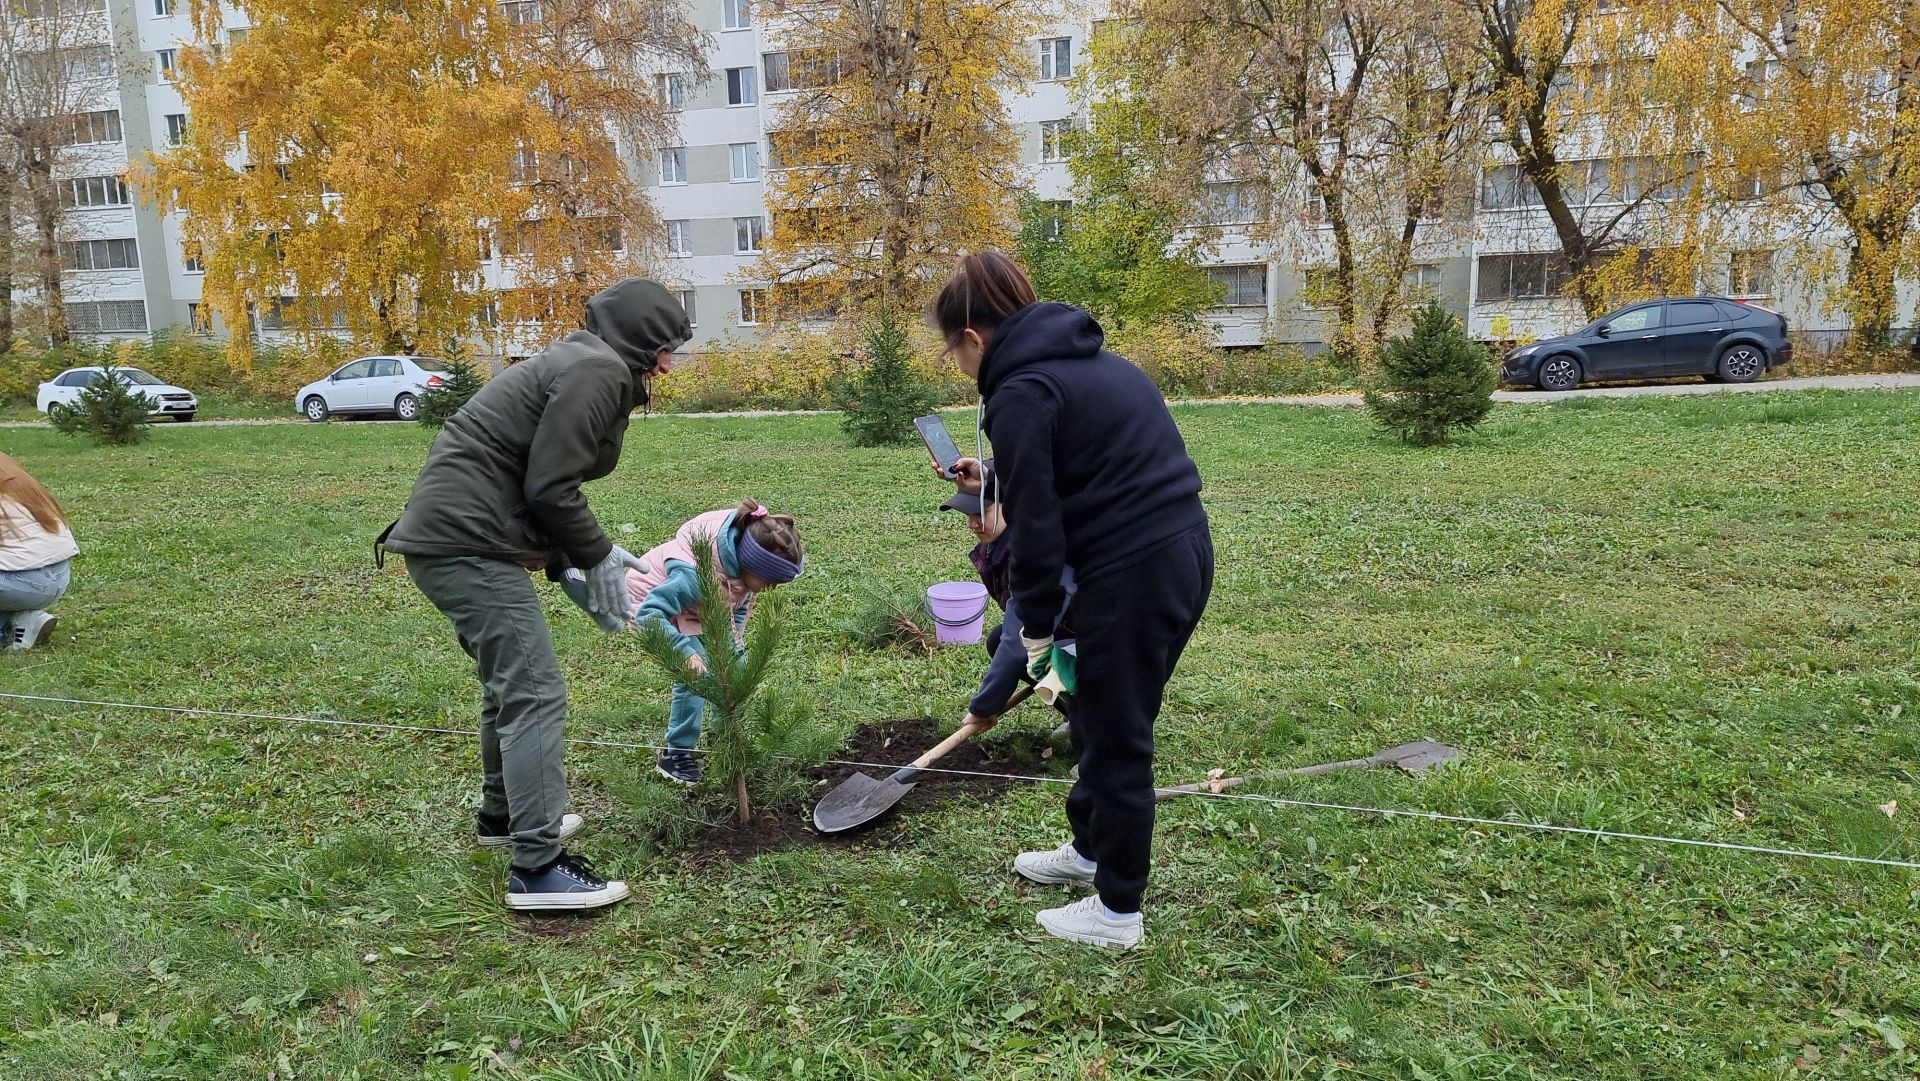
[{"x": 964, "y": 733}]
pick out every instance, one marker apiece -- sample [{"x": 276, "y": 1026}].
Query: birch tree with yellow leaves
[
  {"x": 892, "y": 150},
  {"x": 1813, "y": 110},
  {"x": 356, "y": 165}
]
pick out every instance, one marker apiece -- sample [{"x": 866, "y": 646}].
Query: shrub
[
  {"x": 109, "y": 412},
  {"x": 1433, "y": 381},
  {"x": 439, "y": 404},
  {"x": 881, "y": 402},
  {"x": 754, "y": 733}
]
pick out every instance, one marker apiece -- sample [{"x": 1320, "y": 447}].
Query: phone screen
[{"x": 933, "y": 432}]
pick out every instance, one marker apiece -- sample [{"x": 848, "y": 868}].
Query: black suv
[{"x": 1725, "y": 340}]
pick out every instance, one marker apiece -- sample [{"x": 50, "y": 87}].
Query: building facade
[{"x": 127, "y": 275}]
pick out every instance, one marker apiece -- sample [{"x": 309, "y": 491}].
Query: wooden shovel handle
[{"x": 962, "y": 734}]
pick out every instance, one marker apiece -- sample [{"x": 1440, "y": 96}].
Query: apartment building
[{"x": 126, "y": 273}]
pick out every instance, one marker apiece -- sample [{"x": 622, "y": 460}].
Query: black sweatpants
[{"x": 1133, "y": 623}]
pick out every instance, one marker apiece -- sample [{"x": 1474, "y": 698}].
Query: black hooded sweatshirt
[
  {"x": 503, "y": 478},
  {"x": 1091, "y": 468}
]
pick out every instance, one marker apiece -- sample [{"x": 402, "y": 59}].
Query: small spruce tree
[
  {"x": 1433, "y": 381},
  {"x": 109, "y": 412},
  {"x": 753, "y": 730},
  {"x": 459, "y": 383},
  {"x": 881, "y": 402}
]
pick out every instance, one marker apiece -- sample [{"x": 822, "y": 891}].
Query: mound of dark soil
[{"x": 1012, "y": 749}]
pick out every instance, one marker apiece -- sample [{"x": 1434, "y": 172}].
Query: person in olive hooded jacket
[{"x": 500, "y": 496}]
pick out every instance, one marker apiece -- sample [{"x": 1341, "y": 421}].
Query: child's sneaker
[
  {"x": 493, "y": 832},
  {"x": 1058, "y": 867},
  {"x": 1087, "y": 921},
  {"x": 678, "y": 766},
  {"x": 566, "y": 884}
]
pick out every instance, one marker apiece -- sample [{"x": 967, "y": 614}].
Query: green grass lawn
[{"x": 1694, "y": 617}]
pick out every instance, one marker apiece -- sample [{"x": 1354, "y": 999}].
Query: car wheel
[
  {"x": 1559, "y": 372},
  {"x": 315, "y": 407},
  {"x": 56, "y": 410},
  {"x": 1740, "y": 363},
  {"x": 406, "y": 407}
]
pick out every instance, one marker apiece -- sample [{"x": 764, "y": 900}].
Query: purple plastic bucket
[{"x": 959, "y": 611}]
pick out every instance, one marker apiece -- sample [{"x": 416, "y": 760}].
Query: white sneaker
[
  {"x": 1057, "y": 867},
  {"x": 31, "y": 630},
  {"x": 1085, "y": 921},
  {"x": 487, "y": 835}
]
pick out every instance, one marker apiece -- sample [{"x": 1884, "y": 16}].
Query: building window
[
  {"x": 1527, "y": 276},
  {"x": 1506, "y": 187},
  {"x": 1053, "y": 139},
  {"x": 90, "y": 191},
  {"x": 115, "y": 254},
  {"x": 176, "y": 129},
  {"x": 1245, "y": 285},
  {"x": 1232, "y": 203},
  {"x": 741, "y": 87},
  {"x": 521, "y": 12},
  {"x": 199, "y": 319},
  {"x": 746, "y": 161},
  {"x": 673, "y": 165},
  {"x": 1750, "y": 274},
  {"x": 680, "y": 237},
  {"x": 162, "y": 8},
  {"x": 107, "y": 316},
  {"x": 525, "y": 166},
  {"x": 753, "y": 303},
  {"x": 735, "y": 15},
  {"x": 236, "y": 36},
  {"x": 749, "y": 234},
  {"x": 166, "y": 59},
  {"x": 100, "y": 127},
  {"x": 686, "y": 301},
  {"x": 192, "y": 265},
  {"x": 1423, "y": 279},
  {"x": 673, "y": 90},
  {"x": 1056, "y": 59},
  {"x": 777, "y": 76},
  {"x": 1054, "y": 213}
]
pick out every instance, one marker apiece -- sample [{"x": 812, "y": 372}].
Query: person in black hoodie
[
  {"x": 1093, "y": 474},
  {"x": 500, "y": 496}
]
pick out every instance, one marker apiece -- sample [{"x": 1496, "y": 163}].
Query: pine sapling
[
  {"x": 1433, "y": 381},
  {"x": 751, "y": 728},
  {"x": 881, "y": 402},
  {"x": 458, "y": 383},
  {"x": 108, "y": 411}
]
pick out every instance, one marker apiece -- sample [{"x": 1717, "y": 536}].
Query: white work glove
[
  {"x": 607, "y": 596},
  {"x": 1039, "y": 655},
  {"x": 573, "y": 582}
]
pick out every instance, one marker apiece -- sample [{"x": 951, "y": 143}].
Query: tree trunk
[
  {"x": 740, "y": 798},
  {"x": 44, "y": 203},
  {"x": 7, "y": 264},
  {"x": 1870, "y": 288}
]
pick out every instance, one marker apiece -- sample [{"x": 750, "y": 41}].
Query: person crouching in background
[{"x": 36, "y": 558}]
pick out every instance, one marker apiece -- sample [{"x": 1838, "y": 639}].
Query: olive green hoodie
[{"x": 503, "y": 478}]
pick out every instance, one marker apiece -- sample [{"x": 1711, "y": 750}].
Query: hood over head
[
  {"x": 1039, "y": 332},
  {"x": 638, "y": 317}
]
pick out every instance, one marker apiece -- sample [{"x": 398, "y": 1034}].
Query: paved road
[{"x": 1888, "y": 381}]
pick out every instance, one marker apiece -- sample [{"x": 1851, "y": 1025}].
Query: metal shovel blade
[
  {"x": 1414, "y": 757},
  {"x": 856, "y": 801}
]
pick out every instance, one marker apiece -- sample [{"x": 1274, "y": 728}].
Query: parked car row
[{"x": 1729, "y": 341}]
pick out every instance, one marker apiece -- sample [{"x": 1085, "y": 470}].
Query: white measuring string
[{"x": 1279, "y": 801}]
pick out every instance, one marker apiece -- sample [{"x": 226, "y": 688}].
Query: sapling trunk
[{"x": 740, "y": 797}]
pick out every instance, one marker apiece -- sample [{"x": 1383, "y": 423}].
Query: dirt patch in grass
[{"x": 1020, "y": 749}]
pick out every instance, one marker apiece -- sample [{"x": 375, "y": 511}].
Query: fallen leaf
[
  {"x": 1889, "y": 807},
  {"x": 513, "y": 1044}
]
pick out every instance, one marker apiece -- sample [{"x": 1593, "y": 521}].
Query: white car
[
  {"x": 168, "y": 400},
  {"x": 371, "y": 385}
]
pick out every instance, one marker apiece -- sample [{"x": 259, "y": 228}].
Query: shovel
[
  {"x": 860, "y": 799},
  {"x": 1411, "y": 757}
]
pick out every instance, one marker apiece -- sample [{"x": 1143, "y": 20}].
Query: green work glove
[
  {"x": 1063, "y": 663},
  {"x": 1039, "y": 655}
]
